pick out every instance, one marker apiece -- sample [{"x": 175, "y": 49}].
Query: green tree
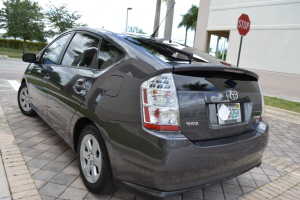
[
  {"x": 23, "y": 19},
  {"x": 2, "y": 18},
  {"x": 61, "y": 20},
  {"x": 189, "y": 20},
  {"x": 220, "y": 55}
]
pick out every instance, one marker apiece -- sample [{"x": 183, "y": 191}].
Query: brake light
[
  {"x": 262, "y": 104},
  {"x": 160, "y": 103}
]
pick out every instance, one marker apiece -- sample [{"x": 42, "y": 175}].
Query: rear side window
[
  {"x": 215, "y": 83},
  {"x": 82, "y": 51},
  {"x": 53, "y": 52},
  {"x": 108, "y": 54}
]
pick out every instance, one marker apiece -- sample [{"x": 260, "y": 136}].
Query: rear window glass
[
  {"x": 164, "y": 52},
  {"x": 215, "y": 83}
]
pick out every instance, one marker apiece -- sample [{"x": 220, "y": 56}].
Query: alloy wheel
[
  {"x": 24, "y": 99},
  {"x": 90, "y": 158}
]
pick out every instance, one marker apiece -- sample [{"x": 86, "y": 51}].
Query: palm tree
[
  {"x": 189, "y": 20},
  {"x": 157, "y": 17},
  {"x": 169, "y": 19}
]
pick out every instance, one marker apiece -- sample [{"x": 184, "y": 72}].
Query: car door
[
  {"x": 70, "y": 81},
  {"x": 39, "y": 74}
]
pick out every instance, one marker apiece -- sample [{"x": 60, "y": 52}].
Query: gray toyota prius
[{"x": 144, "y": 115}]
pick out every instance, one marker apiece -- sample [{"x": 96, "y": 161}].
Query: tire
[
  {"x": 93, "y": 161},
  {"x": 23, "y": 101}
]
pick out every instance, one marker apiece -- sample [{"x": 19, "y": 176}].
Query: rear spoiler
[{"x": 197, "y": 70}]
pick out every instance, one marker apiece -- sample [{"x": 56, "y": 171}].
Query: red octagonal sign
[{"x": 243, "y": 25}]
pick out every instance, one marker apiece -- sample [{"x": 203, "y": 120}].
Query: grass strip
[{"x": 283, "y": 104}]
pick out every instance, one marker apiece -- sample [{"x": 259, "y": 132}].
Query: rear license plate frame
[{"x": 235, "y": 113}]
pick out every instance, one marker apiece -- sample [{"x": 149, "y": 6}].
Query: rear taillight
[
  {"x": 262, "y": 104},
  {"x": 160, "y": 103}
]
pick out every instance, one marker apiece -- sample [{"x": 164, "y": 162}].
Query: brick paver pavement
[{"x": 40, "y": 165}]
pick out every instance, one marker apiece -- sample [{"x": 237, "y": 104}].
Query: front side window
[
  {"x": 108, "y": 54},
  {"x": 82, "y": 51},
  {"x": 53, "y": 52}
]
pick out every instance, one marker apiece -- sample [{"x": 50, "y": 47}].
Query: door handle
[
  {"x": 46, "y": 77},
  {"x": 80, "y": 84}
]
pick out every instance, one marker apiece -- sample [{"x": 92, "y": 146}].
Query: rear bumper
[
  {"x": 153, "y": 194},
  {"x": 160, "y": 164}
]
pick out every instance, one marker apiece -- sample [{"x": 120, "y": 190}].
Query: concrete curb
[
  {"x": 4, "y": 189},
  {"x": 283, "y": 114},
  {"x": 282, "y": 97},
  {"x": 6, "y": 57}
]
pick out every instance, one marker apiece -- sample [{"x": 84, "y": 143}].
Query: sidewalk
[{"x": 38, "y": 164}]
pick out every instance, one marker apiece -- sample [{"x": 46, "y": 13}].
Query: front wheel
[
  {"x": 23, "y": 101},
  {"x": 93, "y": 161}
]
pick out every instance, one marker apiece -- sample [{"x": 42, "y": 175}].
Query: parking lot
[{"x": 39, "y": 164}]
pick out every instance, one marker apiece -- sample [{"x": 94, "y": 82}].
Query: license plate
[{"x": 234, "y": 115}]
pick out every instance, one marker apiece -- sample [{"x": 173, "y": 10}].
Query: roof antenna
[{"x": 153, "y": 34}]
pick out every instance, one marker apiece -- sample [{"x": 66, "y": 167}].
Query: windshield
[{"x": 164, "y": 52}]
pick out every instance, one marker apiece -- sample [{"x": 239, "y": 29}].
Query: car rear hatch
[{"x": 217, "y": 101}]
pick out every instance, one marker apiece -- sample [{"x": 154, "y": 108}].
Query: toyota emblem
[{"x": 233, "y": 95}]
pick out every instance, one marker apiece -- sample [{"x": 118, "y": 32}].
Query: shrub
[
  {"x": 17, "y": 44},
  {"x": 35, "y": 45}
]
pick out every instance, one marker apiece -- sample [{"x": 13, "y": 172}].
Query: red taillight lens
[
  {"x": 261, "y": 118},
  {"x": 161, "y": 127},
  {"x": 160, "y": 103},
  {"x": 262, "y": 104}
]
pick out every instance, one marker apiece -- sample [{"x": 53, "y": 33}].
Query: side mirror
[{"x": 29, "y": 57}]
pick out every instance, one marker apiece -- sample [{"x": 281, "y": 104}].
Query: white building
[{"x": 273, "y": 43}]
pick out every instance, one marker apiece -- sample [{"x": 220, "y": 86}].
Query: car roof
[{"x": 121, "y": 39}]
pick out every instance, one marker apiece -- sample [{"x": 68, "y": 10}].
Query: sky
[{"x": 112, "y": 14}]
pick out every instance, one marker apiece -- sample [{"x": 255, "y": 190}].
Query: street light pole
[{"x": 127, "y": 18}]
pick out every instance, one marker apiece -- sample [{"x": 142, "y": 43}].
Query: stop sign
[{"x": 243, "y": 25}]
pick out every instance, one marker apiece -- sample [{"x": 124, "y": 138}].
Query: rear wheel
[
  {"x": 23, "y": 101},
  {"x": 93, "y": 161}
]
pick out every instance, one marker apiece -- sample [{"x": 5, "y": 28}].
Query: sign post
[{"x": 243, "y": 27}]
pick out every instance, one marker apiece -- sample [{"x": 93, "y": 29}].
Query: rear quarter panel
[{"x": 105, "y": 109}]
